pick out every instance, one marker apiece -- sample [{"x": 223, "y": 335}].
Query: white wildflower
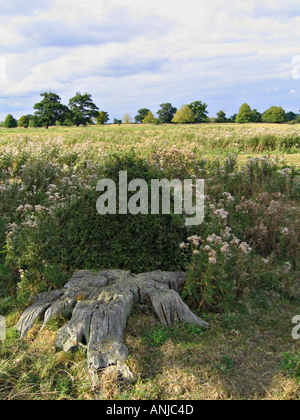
[
  {"x": 225, "y": 248},
  {"x": 12, "y": 226},
  {"x": 28, "y": 207},
  {"x": 288, "y": 267},
  {"x": 274, "y": 207},
  {"x": 235, "y": 241},
  {"x": 228, "y": 197},
  {"x": 218, "y": 240},
  {"x": 39, "y": 208},
  {"x": 221, "y": 213},
  {"x": 209, "y": 239},
  {"x": 285, "y": 231},
  {"x": 245, "y": 248},
  {"x": 52, "y": 188},
  {"x": 227, "y": 234},
  {"x": 212, "y": 254}
]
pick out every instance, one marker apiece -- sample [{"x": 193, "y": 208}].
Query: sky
[{"x": 136, "y": 54}]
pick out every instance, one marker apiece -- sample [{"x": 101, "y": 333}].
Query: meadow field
[{"x": 242, "y": 263}]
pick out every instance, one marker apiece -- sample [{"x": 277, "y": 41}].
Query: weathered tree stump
[{"x": 98, "y": 306}]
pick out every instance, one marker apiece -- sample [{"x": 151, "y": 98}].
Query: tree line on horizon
[{"x": 82, "y": 111}]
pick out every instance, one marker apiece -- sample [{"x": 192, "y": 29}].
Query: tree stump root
[{"x": 98, "y": 306}]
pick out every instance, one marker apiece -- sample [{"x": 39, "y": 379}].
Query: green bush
[{"x": 61, "y": 228}]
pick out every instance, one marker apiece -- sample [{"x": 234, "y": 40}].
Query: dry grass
[
  {"x": 239, "y": 357},
  {"x": 223, "y": 363}
]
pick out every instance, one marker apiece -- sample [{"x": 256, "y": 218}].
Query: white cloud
[{"x": 130, "y": 53}]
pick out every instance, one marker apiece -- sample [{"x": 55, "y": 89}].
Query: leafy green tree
[
  {"x": 233, "y": 118},
  {"x": 221, "y": 117},
  {"x": 200, "y": 111},
  {"x": 83, "y": 109},
  {"x": 127, "y": 119},
  {"x": 291, "y": 116},
  {"x": 23, "y": 121},
  {"x": 244, "y": 115},
  {"x": 10, "y": 122},
  {"x": 34, "y": 122},
  {"x": 50, "y": 109},
  {"x": 256, "y": 116},
  {"x": 184, "y": 115},
  {"x": 275, "y": 114},
  {"x": 150, "y": 119},
  {"x": 116, "y": 121},
  {"x": 102, "y": 117},
  {"x": 141, "y": 115},
  {"x": 166, "y": 113}
]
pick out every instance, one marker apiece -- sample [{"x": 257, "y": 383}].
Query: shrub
[{"x": 64, "y": 230}]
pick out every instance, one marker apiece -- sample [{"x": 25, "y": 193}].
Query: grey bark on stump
[{"x": 98, "y": 306}]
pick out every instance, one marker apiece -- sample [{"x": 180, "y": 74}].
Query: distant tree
[
  {"x": 150, "y": 119},
  {"x": 23, "y": 121},
  {"x": 10, "y": 122},
  {"x": 233, "y": 118},
  {"x": 141, "y": 115},
  {"x": 275, "y": 114},
  {"x": 244, "y": 115},
  {"x": 291, "y": 116},
  {"x": 221, "y": 117},
  {"x": 127, "y": 119},
  {"x": 50, "y": 110},
  {"x": 166, "y": 113},
  {"x": 83, "y": 109},
  {"x": 102, "y": 117},
  {"x": 184, "y": 115},
  {"x": 34, "y": 122},
  {"x": 200, "y": 111},
  {"x": 256, "y": 116},
  {"x": 116, "y": 121}
]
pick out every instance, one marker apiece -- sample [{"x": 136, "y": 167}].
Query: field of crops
[{"x": 242, "y": 263}]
